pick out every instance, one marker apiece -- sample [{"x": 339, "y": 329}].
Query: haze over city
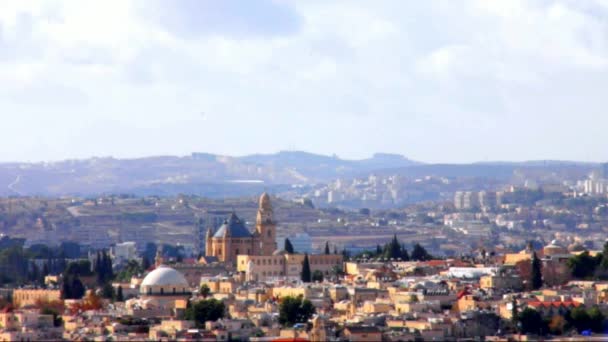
[
  {"x": 436, "y": 81},
  {"x": 303, "y": 170}
]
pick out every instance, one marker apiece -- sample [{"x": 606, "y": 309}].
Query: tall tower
[
  {"x": 159, "y": 259},
  {"x": 265, "y": 226},
  {"x": 208, "y": 244}
]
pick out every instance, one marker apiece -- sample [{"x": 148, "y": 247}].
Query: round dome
[
  {"x": 164, "y": 276},
  {"x": 280, "y": 252},
  {"x": 576, "y": 247}
]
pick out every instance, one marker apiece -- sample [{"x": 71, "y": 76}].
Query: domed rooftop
[
  {"x": 576, "y": 247},
  {"x": 232, "y": 227},
  {"x": 280, "y": 252},
  {"x": 164, "y": 276},
  {"x": 554, "y": 244}
]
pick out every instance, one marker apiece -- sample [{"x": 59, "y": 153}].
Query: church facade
[{"x": 233, "y": 238}]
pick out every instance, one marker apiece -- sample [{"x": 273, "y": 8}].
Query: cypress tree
[
  {"x": 109, "y": 273},
  {"x": 392, "y": 250},
  {"x": 66, "y": 292},
  {"x": 45, "y": 269},
  {"x": 420, "y": 254},
  {"x": 536, "y": 277},
  {"x": 288, "y": 246},
  {"x": 404, "y": 254},
  {"x": 119, "y": 295},
  {"x": 98, "y": 268},
  {"x": 306, "y": 274},
  {"x": 604, "y": 262},
  {"x": 145, "y": 263},
  {"x": 327, "y": 247},
  {"x": 77, "y": 289}
]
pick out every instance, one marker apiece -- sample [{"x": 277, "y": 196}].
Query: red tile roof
[{"x": 555, "y": 304}]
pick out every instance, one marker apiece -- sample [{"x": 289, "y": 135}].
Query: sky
[{"x": 438, "y": 81}]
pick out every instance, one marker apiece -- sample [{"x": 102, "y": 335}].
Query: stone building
[
  {"x": 233, "y": 237},
  {"x": 284, "y": 265},
  {"x": 27, "y": 297}
]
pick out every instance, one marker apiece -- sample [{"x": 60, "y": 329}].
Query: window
[
  {"x": 236, "y": 252},
  {"x": 162, "y": 291},
  {"x": 269, "y": 233},
  {"x": 174, "y": 290}
]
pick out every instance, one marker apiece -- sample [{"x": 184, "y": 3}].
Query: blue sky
[{"x": 437, "y": 81}]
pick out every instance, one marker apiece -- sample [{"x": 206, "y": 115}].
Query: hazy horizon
[
  {"x": 300, "y": 151},
  {"x": 441, "y": 81}
]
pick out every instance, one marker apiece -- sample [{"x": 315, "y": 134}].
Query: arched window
[
  {"x": 236, "y": 252},
  {"x": 269, "y": 233},
  {"x": 162, "y": 291},
  {"x": 174, "y": 290}
]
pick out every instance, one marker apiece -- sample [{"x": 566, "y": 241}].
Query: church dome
[
  {"x": 164, "y": 280},
  {"x": 576, "y": 247},
  {"x": 233, "y": 227},
  {"x": 554, "y": 248},
  {"x": 164, "y": 276}
]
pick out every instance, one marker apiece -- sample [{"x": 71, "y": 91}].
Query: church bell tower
[{"x": 265, "y": 226}]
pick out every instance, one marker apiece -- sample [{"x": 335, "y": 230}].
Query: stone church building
[{"x": 233, "y": 237}]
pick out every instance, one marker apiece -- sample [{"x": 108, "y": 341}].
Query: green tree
[
  {"x": 317, "y": 276},
  {"x": 80, "y": 268},
  {"x": 378, "y": 250},
  {"x": 288, "y": 246},
  {"x": 204, "y": 291},
  {"x": 596, "y": 319},
  {"x": 419, "y": 253},
  {"x": 404, "y": 255},
  {"x": 72, "y": 287},
  {"x": 107, "y": 291},
  {"x": 294, "y": 310},
  {"x": 306, "y": 276},
  {"x": 536, "y": 277},
  {"x": 393, "y": 249},
  {"x": 583, "y": 266},
  {"x": 327, "y": 248},
  {"x": 579, "y": 318},
  {"x": 531, "y": 322},
  {"x": 205, "y": 310},
  {"x": 132, "y": 268},
  {"x": 119, "y": 296}
]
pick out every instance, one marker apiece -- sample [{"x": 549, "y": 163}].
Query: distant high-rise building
[
  {"x": 470, "y": 200},
  {"x": 487, "y": 199},
  {"x": 458, "y": 200}
]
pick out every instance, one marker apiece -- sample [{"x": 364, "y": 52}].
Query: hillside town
[{"x": 245, "y": 286}]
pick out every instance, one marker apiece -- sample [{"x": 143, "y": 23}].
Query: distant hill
[
  {"x": 203, "y": 173},
  {"x": 226, "y": 176}
]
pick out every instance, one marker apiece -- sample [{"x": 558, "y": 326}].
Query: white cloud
[{"x": 351, "y": 77}]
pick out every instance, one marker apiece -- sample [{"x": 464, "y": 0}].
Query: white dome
[{"x": 164, "y": 276}]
